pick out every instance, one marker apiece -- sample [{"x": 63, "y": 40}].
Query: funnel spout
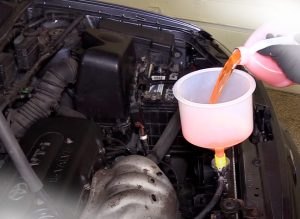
[
  {"x": 220, "y": 158},
  {"x": 219, "y": 152}
]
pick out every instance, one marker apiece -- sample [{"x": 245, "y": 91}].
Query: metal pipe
[{"x": 18, "y": 157}]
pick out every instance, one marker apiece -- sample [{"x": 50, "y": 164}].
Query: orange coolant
[
  {"x": 232, "y": 62},
  {"x": 224, "y": 75}
]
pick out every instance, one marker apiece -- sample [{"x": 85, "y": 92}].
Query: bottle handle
[{"x": 284, "y": 40}]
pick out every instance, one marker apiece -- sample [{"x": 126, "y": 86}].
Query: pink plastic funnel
[{"x": 215, "y": 126}]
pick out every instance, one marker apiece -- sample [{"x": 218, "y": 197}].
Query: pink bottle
[{"x": 263, "y": 67}]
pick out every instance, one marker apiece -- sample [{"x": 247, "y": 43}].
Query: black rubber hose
[
  {"x": 214, "y": 200},
  {"x": 69, "y": 112},
  {"x": 13, "y": 93},
  {"x": 166, "y": 139},
  {"x": 47, "y": 96},
  {"x": 16, "y": 154}
]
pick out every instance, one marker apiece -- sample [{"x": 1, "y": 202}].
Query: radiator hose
[
  {"x": 166, "y": 139},
  {"x": 47, "y": 96},
  {"x": 214, "y": 200}
]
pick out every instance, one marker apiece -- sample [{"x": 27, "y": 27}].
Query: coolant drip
[{"x": 220, "y": 157}]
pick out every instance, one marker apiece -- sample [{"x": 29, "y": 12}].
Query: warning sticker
[{"x": 158, "y": 77}]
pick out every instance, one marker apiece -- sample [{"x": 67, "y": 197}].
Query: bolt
[{"x": 256, "y": 162}]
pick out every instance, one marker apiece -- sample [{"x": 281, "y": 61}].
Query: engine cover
[
  {"x": 134, "y": 188},
  {"x": 63, "y": 153}
]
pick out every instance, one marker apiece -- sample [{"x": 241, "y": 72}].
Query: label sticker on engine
[
  {"x": 169, "y": 96},
  {"x": 158, "y": 77},
  {"x": 173, "y": 76},
  {"x": 157, "y": 88}
]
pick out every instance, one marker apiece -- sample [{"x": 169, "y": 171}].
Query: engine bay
[{"x": 90, "y": 101}]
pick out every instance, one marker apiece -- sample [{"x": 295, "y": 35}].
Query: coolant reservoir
[{"x": 215, "y": 126}]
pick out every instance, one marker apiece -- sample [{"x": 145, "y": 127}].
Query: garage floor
[{"x": 287, "y": 107}]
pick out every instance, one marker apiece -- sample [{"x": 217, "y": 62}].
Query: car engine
[{"x": 89, "y": 98}]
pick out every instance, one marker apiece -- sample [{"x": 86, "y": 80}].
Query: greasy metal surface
[
  {"x": 134, "y": 188},
  {"x": 252, "y": 183}
]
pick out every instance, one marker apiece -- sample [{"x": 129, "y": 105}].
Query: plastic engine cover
[
  {"x": 63, "y": 152},
  {"x": 134, "y": 188}
]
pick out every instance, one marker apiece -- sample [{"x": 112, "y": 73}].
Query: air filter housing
[{"x": 105, "y": 76}]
